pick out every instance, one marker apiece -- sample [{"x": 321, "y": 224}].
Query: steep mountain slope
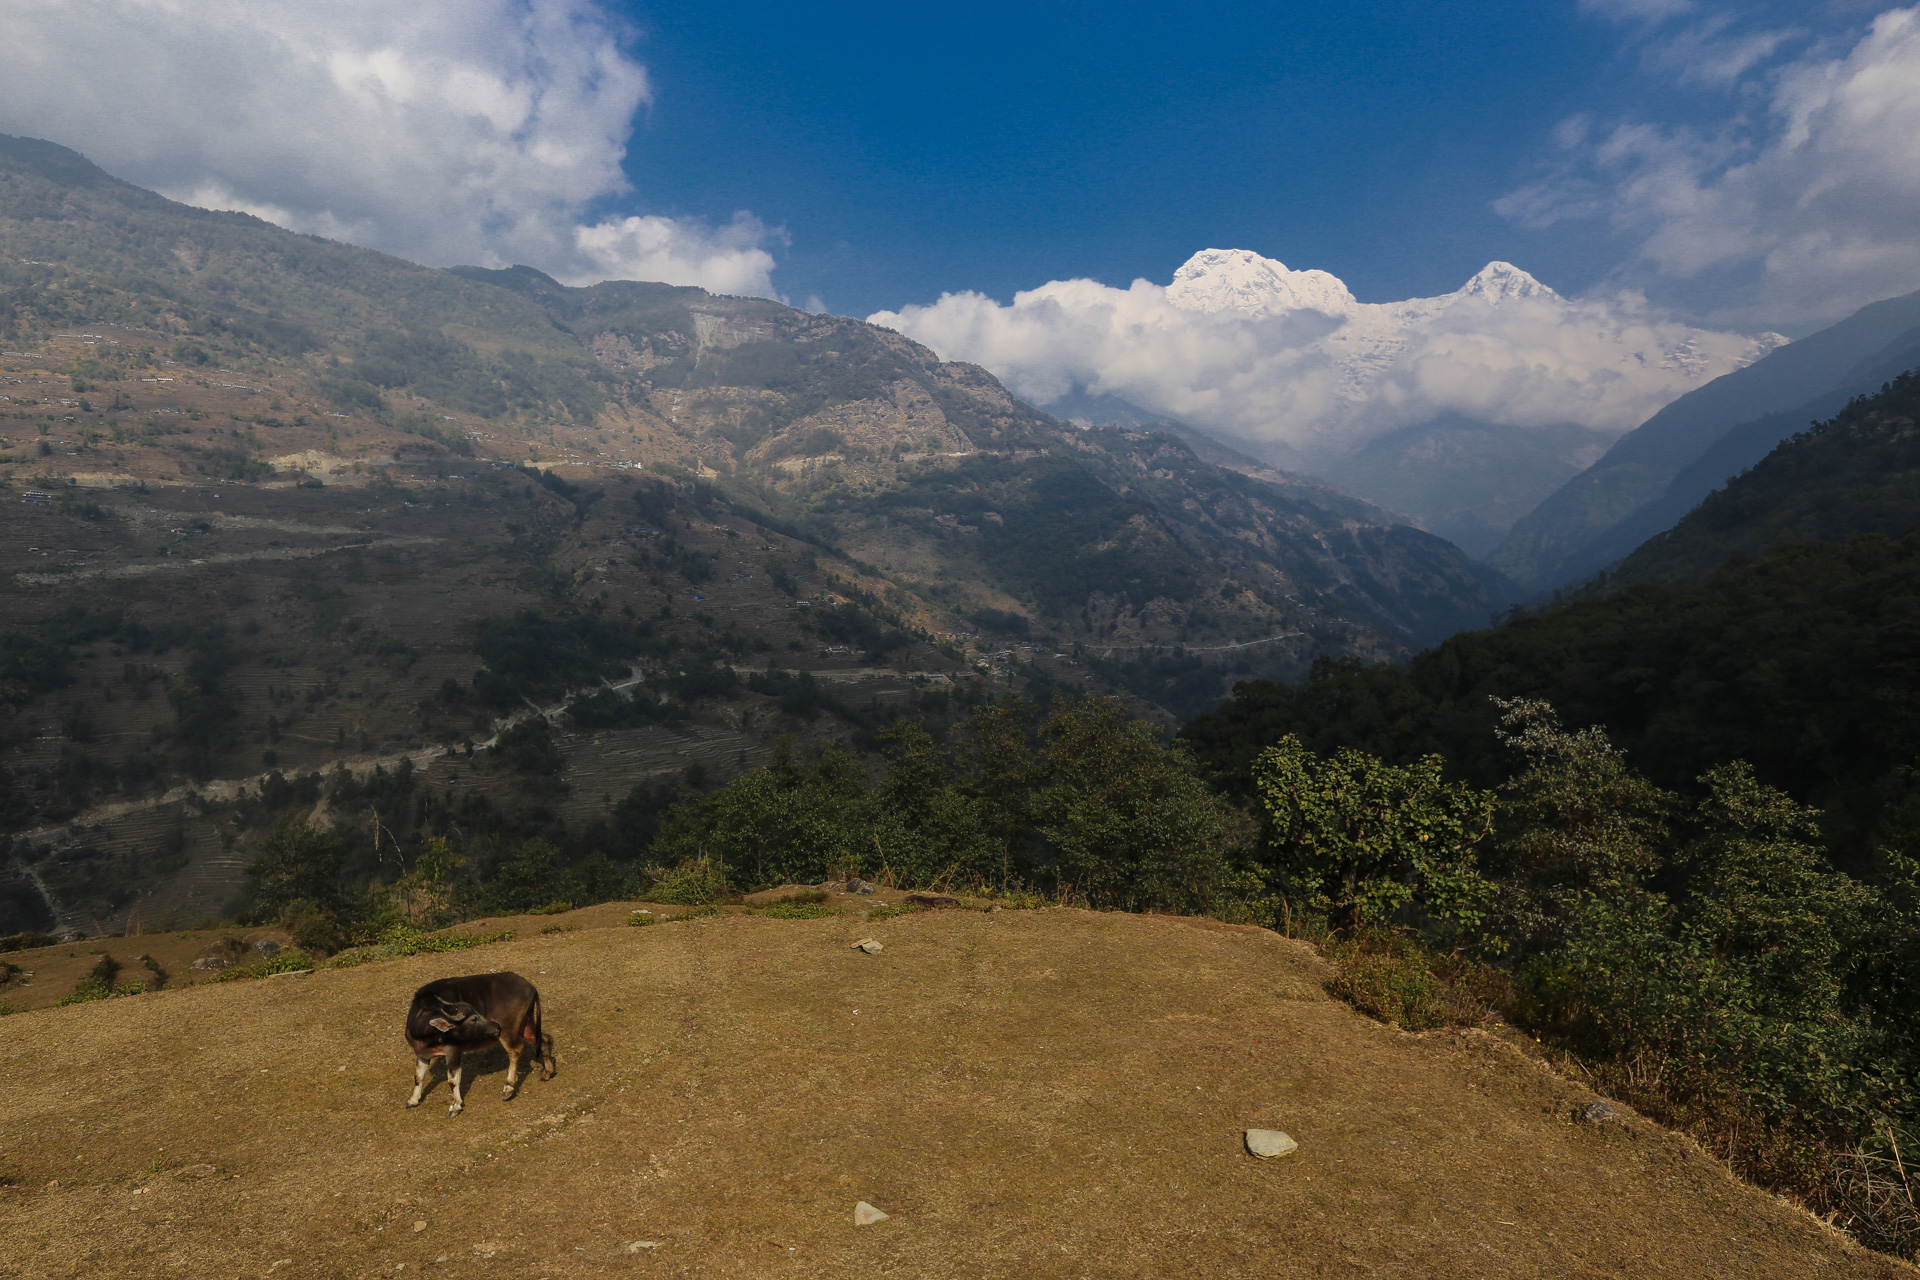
[
  {"x": 272, "y": 507},
  {"x": 970, "y": 500},
  {"x": 1260, "y": 522},
  {"x": 1660, "y": 469},
  {"x": 1857, "y": 473},
  {"x": 1464, "y": 479},
  {"x": 1028, "y": 1094}
]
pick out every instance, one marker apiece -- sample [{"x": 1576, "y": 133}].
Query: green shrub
[
  {"x": 1393, "y": 976},
  {"x": 99, "y": 984},
  {"x": 296, "y": 863},
  {"x": 1017, "y": 899},
  {"x": 291, "y": 960},
  {"x": 694, "y": 883},
  {"x": 790, "y": 910},
  {"x": 406, "y": 940},
  {"x": 1399, "y": 992},
  {"x": 314, "y": 928}
]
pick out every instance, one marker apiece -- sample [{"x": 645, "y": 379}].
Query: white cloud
[
  {"x": 440, "y": 130},
  {"x": 1808, "y": 203},
  {"x": 1240, "y": 344},
  {"x": 728, "y": 259}
]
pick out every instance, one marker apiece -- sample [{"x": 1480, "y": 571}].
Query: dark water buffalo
[{"x": 453, "y": 1015}]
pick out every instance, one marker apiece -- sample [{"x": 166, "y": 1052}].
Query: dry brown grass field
[{"x": 1047, "y": 1093}]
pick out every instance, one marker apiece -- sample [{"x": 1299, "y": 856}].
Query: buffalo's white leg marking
[
  {"x": 422, "y": 1077},
  {"x": 513, "y": 1069},
  {"x": 456, "y": 1076}
]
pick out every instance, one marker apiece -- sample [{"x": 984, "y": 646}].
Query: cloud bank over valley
[{"x": 1244, "y": 347}]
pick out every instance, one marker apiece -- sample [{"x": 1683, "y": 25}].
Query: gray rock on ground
[
  {"x": 869, "y": 945},
  {"x": 1268, "y": 1143},
  {"x": 1601, "y": 1112},
  {"x": 865, "y": 1215},
  {"x": 267, "y": 947}
]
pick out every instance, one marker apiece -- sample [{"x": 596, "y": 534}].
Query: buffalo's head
[{"x": 458, "y": 1020}]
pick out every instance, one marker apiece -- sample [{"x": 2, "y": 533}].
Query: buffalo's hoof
[
  {"x": 508, "y": 1092},
  {"x": 413, "y": 1103},
  {"x": 452, "y": 1112}
]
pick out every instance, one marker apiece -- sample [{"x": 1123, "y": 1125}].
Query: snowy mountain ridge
[
  {"x": 1373, "y": 337},
  {"x": 1239, "y": 280}
]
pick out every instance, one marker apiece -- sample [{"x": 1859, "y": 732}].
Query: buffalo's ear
[{"x": 440, "y": 1023}]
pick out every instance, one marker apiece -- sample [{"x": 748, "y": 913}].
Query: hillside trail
[
  {"x": 67, "y": 922},
  {"x": 1044, "y": 1094}
]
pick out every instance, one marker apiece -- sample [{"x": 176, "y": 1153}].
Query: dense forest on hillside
[
  {"x": 1805, "y": 663},
  {"x": 1856, "y": 473}
]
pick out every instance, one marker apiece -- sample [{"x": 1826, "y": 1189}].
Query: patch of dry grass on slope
[{"x": 1028, "y": 1094}]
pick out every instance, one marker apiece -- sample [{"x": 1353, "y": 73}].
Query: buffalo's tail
[{"x": 542, "y": 1044}]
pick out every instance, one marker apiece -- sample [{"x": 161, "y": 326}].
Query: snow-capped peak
[
  {"x": 1499, "y": 281},
  {"x": 1216, "y": 280}
]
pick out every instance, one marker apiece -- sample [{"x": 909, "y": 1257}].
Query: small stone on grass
[
  {"x": 869, "y": 945},
  {"x": 865, "y": 1215},
  {"x": 1268, "y": 1143},
  {"x": 642, "y": 1246}
]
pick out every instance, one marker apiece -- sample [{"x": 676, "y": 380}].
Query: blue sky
[{"x": 908, "y": 151}]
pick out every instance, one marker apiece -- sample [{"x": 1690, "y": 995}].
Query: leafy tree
[
  {"x": 429, "y": 892},
  {"x": 1576, "y": 819},
  {"x": 787, "y": 821},
  {"x": 528, "y": 748},
  {"x": 928, "y": 830},
  {"x": 1131, "y": 824},
  {"x": 1003, "y": 774},
  {"x": 296, "y": 862},
  {"x": 530, "y": 878},
  {"x": 1362, "y": 840},
  {"x": 596, "y": 878}
]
